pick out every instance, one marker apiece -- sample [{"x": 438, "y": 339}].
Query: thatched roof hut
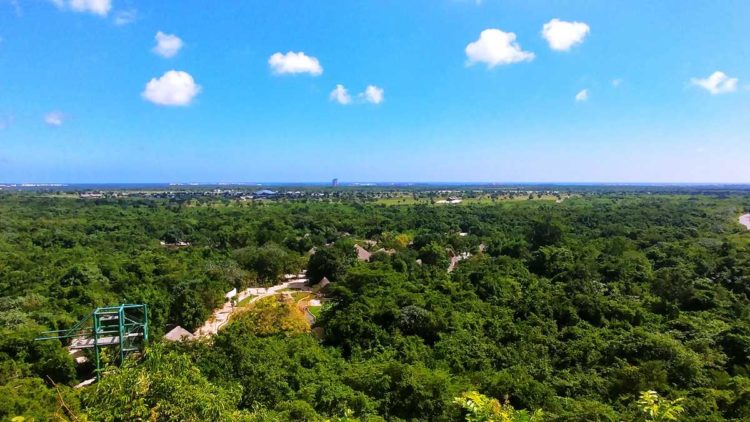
[
  {"x": 179, "y": 334},
  {"x": 323, "y": 283},
  {"x": 362, "y": 253}
]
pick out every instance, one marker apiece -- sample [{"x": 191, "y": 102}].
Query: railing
[{"x": 105, "y": 326}]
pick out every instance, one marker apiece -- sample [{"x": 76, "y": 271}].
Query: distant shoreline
[{"x": 188, "y": 185}]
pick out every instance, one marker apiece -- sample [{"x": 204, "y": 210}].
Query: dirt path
[
  {"x": 745, "y": 220},
  {"x": 221, "y": 316}
]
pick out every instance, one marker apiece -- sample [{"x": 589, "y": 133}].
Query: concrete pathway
[
  {"x": 745, "y": 220},
  {"x": 456, "y": 259},
  {"x": 86, "y": 383},
  {"x": 221, "y": 316}
]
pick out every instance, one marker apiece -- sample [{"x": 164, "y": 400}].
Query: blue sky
[{"x": 615, "y": 91}]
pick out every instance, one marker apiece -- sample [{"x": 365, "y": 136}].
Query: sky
[{"x": 388, "y": 90}]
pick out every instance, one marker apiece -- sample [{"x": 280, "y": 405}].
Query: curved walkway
[
  {"x": 745, "y": 220},
  {"x": 221, "y": 316}
]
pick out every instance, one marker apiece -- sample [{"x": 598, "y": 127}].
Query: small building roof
[
  {"x": 362, "y": 253},
  {"x": 178, "y": 334},
  {"x": 322, "y": 285}
]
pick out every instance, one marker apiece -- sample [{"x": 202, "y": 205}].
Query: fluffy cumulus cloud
[
  {"x": 174, "y": 88},
  {"x": 373, "y": 94},
  {"x": 340, "y": 95},
  {"x": 97, "y": 7},
  {"x": 54, "y": 118},
  {"x": 717, "y": 83},
  {"x": 293, "y": 63},
  {"x": 125, "y": 17},
  {"x": 495, "y": 47},
  {"x": 562, "y": 36},
  {"x": 582, "y": 95},
  {"x": 167, "y": 45}
]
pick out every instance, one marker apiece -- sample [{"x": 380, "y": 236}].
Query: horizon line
[{"x": 372, "y": 183}]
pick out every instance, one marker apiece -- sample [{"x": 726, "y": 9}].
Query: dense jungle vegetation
[{"x": 568, "y": 310}]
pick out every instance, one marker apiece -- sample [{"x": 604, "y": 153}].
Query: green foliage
[
  {"x": 30, "y": 399},
  {"x": 271, "y": 315},
  {"x": 270, "y": 261},
  {"x": 329, "y": 262},
  {"x": 434, "y": 254},
  {"x": 658, "y": 409},
  {"x": 164, "y": 386},
  {"x": 480, "y": 408},
  {"x": 574, "y": 308},
  {"x": 192, "y": 303}
]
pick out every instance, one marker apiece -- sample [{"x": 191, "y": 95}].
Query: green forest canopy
[{"x": 571, "y": 308}]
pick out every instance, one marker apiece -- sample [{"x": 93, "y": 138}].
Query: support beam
[{"x": 110, "y": 326}]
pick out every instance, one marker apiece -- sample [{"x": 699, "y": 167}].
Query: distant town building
[
  {"x": 451, "y": 200},
  {"x": 90, "y": 195},
  {"x": 264, "y": 193},
  {"x": 335, "y": 183}
]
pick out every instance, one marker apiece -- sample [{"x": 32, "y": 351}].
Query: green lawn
[
  {"x": 300, "y": 295},
  {"x": 245, "y": 301},
  {"x": 401, "y": 200},
  {"x": 484, "y": 200},
  {"x": 315, "y": 310}
]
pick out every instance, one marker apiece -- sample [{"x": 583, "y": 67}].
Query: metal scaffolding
[{"x": 123, "y": 326}]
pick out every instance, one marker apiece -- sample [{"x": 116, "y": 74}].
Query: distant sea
[{"x": 229, "y": 185}]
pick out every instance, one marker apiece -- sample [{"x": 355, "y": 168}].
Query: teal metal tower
[{"x": 124, "y": 327}]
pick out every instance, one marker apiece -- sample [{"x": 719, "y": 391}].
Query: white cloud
[
  {"x": 294, "y": 63},
  {"x": 97, "y": 7},
  {"x": 583, "y": 95},
  {"x": 125, "y": 17},
  {"x": 54, "y": 118},
  {"x": 717, "y": 83},
  {"x": 174, "y": 88},
  {"x": 617, "y": 82},
  {"x": 340, "y": 95},
  {"x": 495, "y": 47},
  {"x": 373, "y": 94},
  {"x": 167, "y": 45},
  {"x": 562, "y": 35}
]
